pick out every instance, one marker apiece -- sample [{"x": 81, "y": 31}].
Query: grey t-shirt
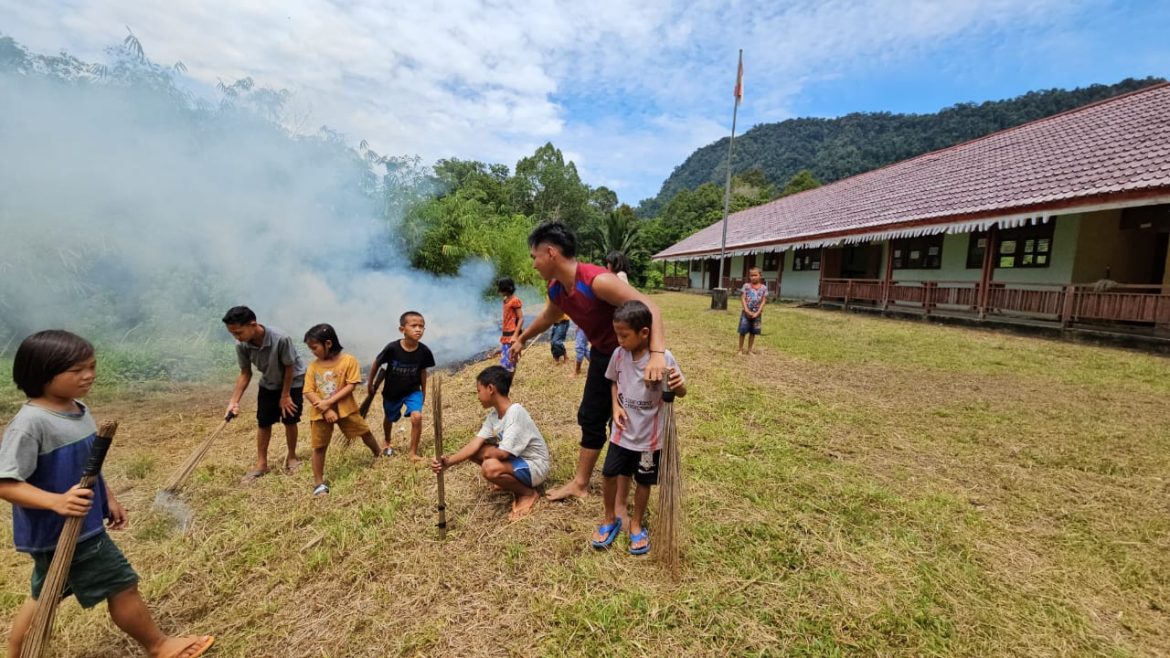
[
  {"x": 517, "y": 435},
  {"x": 640, "y": 400},
  {"x": 271, "y": 358}
]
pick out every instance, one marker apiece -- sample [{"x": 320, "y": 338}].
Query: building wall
[
  {"x": 1108, "y": 252},
  {"x": 799, "y": 285},
  {"x": 696, "y": 274},
  {"x": 954, "y": 260},
  {"x": 954, "y": 263}
]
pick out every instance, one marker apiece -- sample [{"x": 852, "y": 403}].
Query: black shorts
[
  {"x": 98, "y": 571},
  {"x": 268, "y": 407},
  {"x": 643, "y": 466},
  {"x": 596, "y": 403}
]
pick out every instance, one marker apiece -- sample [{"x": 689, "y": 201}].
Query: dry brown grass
[{"x": 863, "y": 487}]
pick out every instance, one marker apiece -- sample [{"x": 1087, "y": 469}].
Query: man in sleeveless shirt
[{"x": 588, "y": 294}]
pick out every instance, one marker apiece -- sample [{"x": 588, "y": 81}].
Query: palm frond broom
[
  {"x": 180, "y": 476},
  {"x": 667, "y": 522}
]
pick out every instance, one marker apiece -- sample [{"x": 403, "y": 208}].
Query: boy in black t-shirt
[{"x": 406, "y": 361}]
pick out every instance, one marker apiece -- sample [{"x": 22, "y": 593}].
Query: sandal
[
  {"x": 252, "y": 476},
  {"x": 321, "y": 489},
  {"x": 641, "y": 536},
  {"x": 609, "y": 532}
]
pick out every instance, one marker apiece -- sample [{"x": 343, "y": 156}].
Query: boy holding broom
[
  {"x": 281, "y": 388},
  {"x": 635, "y": 441},
  {"x": 509, "y": 449},
  {"x": 42, "y": 456}
]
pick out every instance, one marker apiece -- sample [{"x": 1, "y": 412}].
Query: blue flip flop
[
  {"x": 645, "y": 534},
  {"x": 610, "y": 532}
]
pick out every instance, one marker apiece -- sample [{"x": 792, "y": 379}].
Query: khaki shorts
[{"x": 321, "y": 431}]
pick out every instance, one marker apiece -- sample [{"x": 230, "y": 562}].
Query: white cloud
[{"x": 482, "y": 79}]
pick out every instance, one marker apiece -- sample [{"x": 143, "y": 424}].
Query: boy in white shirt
[
  {"x": 509, "y": 449},
  {"x": 634, "y": 442}
]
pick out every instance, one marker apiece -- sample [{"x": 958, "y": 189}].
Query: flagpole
[{"x": 727, "y": 188}]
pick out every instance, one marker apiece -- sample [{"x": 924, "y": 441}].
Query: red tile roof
[{"x": 1114, "y": 149}]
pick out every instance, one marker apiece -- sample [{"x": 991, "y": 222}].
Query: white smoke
[{"x": 125, "y": 212}]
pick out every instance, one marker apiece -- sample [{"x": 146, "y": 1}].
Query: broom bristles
[
  {"x": 667, "y": 523},
  {"x": 179, "y": 478}
]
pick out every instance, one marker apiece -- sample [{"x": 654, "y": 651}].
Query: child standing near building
[
  {"x": 282, "y": 378},
  {"x": 42, "y": 456},
  {"x": 634, "y": 442},
  {"x": 406, "y": 362},
  {"x": 509, "y": 449},
  {"x": 329, "y": 385},
  {"x": 754, "y": 297},
  {"x": 513, "y": 322}
]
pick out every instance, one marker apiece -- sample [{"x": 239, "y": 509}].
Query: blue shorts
[
  {"x": 393, "y": 408},
  {"x": 506, "y": 357},
  {"x": 581, "y": 345},
  {"x": 749, "y": 325},
  {"x": 520, "y": 470}
]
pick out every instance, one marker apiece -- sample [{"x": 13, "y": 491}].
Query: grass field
[{"x": 862, "y": 487}]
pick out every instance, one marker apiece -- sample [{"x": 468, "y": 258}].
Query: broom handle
[
  {"x": 437, "y": 402},
  {"x": 196, "y": 456},
  {"x": 375, "y": 382},
  {"x": 37, "y": 637}
]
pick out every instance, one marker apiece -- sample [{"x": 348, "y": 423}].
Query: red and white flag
[{"x": 739, "y": 81}]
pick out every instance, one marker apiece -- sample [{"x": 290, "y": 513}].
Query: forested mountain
[{"x": 833, "y": 149}]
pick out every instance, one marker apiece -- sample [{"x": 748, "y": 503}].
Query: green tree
[
  {"x": 546, "y": 188},
  {"x": 801, "y": 181}
]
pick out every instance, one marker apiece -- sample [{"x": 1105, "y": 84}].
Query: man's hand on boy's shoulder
[{"x": 75, "y": 502}]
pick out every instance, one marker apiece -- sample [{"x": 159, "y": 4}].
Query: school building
[{"x": 1063, "y": 221}]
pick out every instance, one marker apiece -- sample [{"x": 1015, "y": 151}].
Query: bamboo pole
[
  {"x": 184, "y": 472},
  {"x": 437, "y": 413},
  {"x": 37, "y": 638}
]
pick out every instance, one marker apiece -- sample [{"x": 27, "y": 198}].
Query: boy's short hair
[
  {"x": 44, "y": 355},
  {"x": 616, "y": 261},
  {"x": 239, "y": 315},
  {"x": 755, "y": 269},
  {"x": 634, "y": 314},
  {"x": 506, "y": 285},
  {"x": 556, "y": 234},
  {"x": 407, "y": 315},
  {"x": 497, "y": 376},
  {"x": 319, "y": 333}
]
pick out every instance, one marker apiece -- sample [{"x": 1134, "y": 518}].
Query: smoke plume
[{"x": 134, "y": 213}]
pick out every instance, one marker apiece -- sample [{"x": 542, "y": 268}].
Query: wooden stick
[
  {"x": 37, "y": 638},
  {"x": 180, "y": 476},
  {"x": 437, "y": 413},
  {"x": 371, "y": 391}
]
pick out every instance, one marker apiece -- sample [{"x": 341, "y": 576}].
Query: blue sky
[{"x": 626, "y": 89}]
